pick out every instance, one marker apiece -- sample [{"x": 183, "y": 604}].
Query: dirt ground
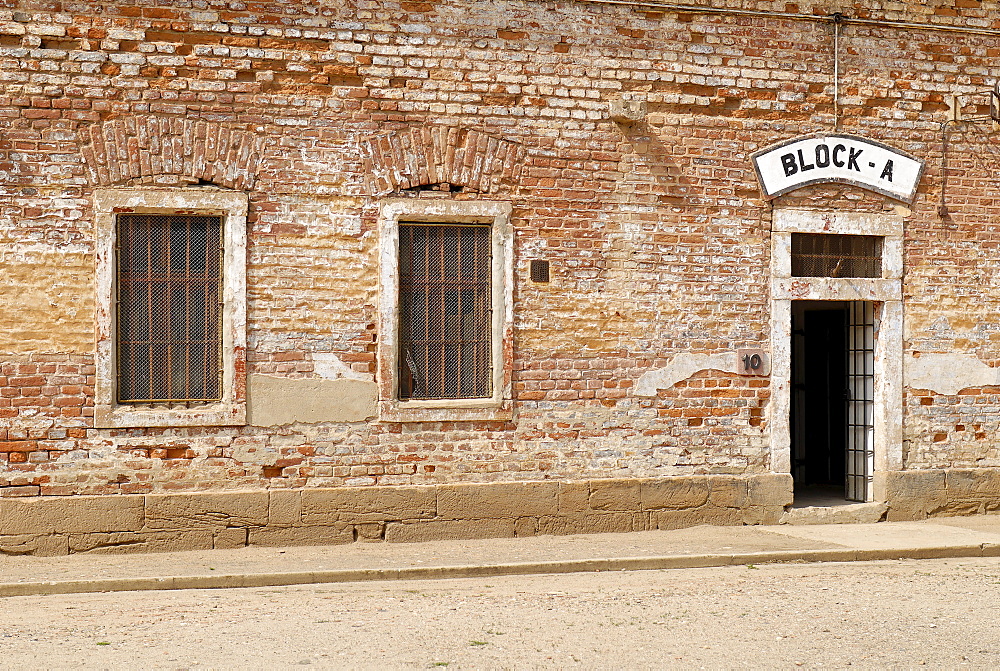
[{"x": 938, "y": 613}]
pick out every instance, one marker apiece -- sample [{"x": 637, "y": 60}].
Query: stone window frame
[
  {"x": 232, "y": 206},
  {"x": 499, "y": 405},
  {"x": 887, "y": 291}
]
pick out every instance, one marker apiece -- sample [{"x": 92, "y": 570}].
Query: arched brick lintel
[
  {"x": 124, "y": 149},
  {"x": 434, "y": 155}
]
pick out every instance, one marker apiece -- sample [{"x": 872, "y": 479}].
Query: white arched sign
[{"x": 847, "y": 159}]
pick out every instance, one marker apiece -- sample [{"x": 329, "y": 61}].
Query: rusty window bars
[
  {"x": 169, "y": 312},
  {"x": 445, "y": 311}
]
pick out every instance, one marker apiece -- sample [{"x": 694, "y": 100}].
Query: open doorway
[{"x": 832, "y": 401}]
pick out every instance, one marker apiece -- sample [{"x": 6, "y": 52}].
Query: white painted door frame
[{"x": 885, "y": 292}]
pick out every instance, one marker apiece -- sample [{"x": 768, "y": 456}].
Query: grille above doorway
[{"x": 826, "y": 255}]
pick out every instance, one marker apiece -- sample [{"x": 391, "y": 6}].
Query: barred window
[
  {"x": 828, "y": 255},
  {"x": 445, "y": 311},
  {"x": 169, "y": 327}
]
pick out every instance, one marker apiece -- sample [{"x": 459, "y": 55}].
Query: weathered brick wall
[
  {"x": 953, "y": 306},
  {"x": 657, "y": 234}
]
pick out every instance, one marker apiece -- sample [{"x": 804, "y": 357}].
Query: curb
[{"x": 277, "y": 579}]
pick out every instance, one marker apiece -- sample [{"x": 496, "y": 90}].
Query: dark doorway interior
[
  {"x": 833, "y": 401},
  {"x": 819, "y": 409}
]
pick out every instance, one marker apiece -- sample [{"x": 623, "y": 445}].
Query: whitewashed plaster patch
[
  {"x": 275, "y": 401},
  {"x": 681, "y": 367},
  {"x": 328, "y": 366},
  {"x": 254, "y": 453},
  {"x": 948, "y": 373}
]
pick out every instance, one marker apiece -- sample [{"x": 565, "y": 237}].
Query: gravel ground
[{"x": 939, "y": 613}]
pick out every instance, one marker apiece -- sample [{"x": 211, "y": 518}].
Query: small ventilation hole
[{"x": 539, "y": 271}]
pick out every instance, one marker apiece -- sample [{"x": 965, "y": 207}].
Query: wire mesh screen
[
  {"x": 445, "y": 310},
  {"x": 825, "y": 255},
  {"x": 539, "y": 269},
  {"x": 169, "y": 318}
]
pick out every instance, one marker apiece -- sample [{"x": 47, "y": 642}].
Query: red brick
[{"x": 18, "y": 446}]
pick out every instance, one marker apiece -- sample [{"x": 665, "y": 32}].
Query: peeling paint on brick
[
  {"x": 948, "y": 374},
  {"x": 681, "y": 367}
]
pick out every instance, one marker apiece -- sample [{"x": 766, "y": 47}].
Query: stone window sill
[
  {"x": 125, "y": 417},
  {"x": 459, "y": 410}
]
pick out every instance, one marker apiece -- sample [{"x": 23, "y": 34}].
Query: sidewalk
[{"x": 975, "y": 536}]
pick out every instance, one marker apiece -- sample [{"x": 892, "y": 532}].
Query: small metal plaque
[{"x": 753, "y": 362}]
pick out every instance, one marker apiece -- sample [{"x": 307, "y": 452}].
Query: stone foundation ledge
[
  {"x": 917, "y": 495},
  {"x": 229, "y": 519}
]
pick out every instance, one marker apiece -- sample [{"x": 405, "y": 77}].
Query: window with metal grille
[
  {"x": 827, "y": 255},
  {"x": 169, "y": 329},
  {"x": 445, "y": 311}
]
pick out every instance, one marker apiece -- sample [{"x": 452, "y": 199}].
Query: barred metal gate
[{"x": 860, "y": 395}]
